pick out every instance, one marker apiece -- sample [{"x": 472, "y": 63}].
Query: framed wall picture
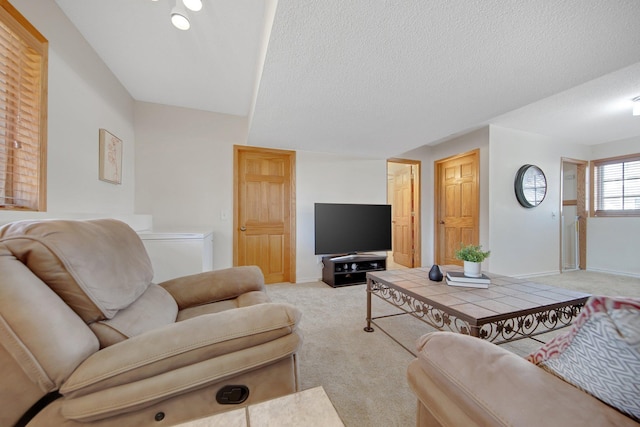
[{"x": 110, "y": 169}]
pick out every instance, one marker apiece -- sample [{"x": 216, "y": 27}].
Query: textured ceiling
[
  {"x": 211, "y": 67},
  {"x": 381, "y": 77},
  {"x": 595, "y": 112}
]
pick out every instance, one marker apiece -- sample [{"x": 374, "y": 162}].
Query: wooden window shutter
[
  {"x": 23, "y": 107},
  {"x": 616, "y": 186}
]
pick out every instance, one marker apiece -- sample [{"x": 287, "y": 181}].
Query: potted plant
[{"x": 472, "y": 255}]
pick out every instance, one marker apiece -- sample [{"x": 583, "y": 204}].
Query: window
[
  {"x": 616, "y": 186},
  {"x": 23, "y": 112}
]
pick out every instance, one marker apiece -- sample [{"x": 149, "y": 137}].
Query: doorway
[
  {"x": 264, "y": 214},
  {"x": 573, "y": 215},
  {"x": 457, "y": 205},
  {"x": 403, "y": 194}
]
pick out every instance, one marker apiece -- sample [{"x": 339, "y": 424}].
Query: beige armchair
[{"x": 86, "y": 337}]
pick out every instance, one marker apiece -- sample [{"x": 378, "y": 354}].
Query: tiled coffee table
[{"x": 508, "y": 310}]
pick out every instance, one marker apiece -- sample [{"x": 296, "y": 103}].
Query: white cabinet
[{"x": 176, "y": 254}]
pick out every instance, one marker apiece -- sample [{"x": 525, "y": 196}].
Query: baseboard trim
[
  {"x": 540, "y": 274},
  {"x": 617, "y": 273},
  {"x": 593, "y": 270}
]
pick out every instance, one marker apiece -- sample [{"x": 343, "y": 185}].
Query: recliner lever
[{"x": 232, "y": 394}]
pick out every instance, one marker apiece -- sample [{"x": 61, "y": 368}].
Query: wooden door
[
  {"x": 457, "y": 205},
  {"x": 264, "y": 211},
  {"x": 582, "y": 214},
  {"x": 403, "y": 216},
  {"x": 578, "y": 232}
]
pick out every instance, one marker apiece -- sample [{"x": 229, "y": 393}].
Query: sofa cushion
[
  {"x": 97, "y": 267},
  {"x": 600, "y": 353},
  {"x": 154, "y": 309}
]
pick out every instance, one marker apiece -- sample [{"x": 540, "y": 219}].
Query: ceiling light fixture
[
  {"x": 179, "y": 17},
  {"x": 194, "y": 5},
  {"x": 636, "y": 106}
]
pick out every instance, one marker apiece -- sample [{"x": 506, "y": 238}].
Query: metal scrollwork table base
[{"x": 509, "y": 309}]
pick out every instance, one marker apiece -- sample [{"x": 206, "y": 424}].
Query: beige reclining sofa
[
  {"x": 87, "y": 338},
  {"x": 587, "y": 376}
]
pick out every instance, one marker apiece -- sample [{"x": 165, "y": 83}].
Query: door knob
[
  {"x": 441, "y": 222},
  {"x": 243, "y": 228}
]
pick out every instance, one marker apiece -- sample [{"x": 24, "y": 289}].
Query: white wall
[
  {"x": 84, "y": 96},
  {"x": 612, "y": 243},
  {"x": 525, "y": 242},
  {"x": 184, "y": 179},
  {"x": 331, "y": 178},
  {"x": 184, "y": 171}
]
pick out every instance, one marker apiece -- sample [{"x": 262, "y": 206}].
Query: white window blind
[
  {"x": 23, "y": 63},
  {"x": 616, "y": 186}
]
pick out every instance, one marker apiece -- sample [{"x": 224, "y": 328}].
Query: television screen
[{"x": 351, "y": 228}]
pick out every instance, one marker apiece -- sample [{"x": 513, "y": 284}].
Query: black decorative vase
[{"x": 435, "y": 273}]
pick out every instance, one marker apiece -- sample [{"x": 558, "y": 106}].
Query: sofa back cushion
[
  {"x": 42, "y": 341},
  {"x": 97, "y": 267}
]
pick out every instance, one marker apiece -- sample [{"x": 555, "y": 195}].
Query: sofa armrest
[
  {"x": 213, "y": 286},
  {"x": 182, "y": 344},
  {"x": 464, "y": 380}
]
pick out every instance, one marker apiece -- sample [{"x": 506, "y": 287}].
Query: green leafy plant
[{"x": 472, "y": 253}]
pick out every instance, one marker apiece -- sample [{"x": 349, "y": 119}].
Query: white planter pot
[{"x": 472, "y": 269}]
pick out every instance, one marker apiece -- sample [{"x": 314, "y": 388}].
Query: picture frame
[{"x": 110, "y": 161}]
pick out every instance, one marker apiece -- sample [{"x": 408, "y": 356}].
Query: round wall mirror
[{"x": 530, "y": 186}]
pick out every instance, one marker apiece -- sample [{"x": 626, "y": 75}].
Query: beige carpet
[{"x": 364, "y": 374}]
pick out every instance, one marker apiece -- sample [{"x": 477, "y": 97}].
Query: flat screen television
[{"x": 348, "y": 229}]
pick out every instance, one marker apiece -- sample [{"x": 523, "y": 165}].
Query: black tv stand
[{"x": 346, "y": 270}]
